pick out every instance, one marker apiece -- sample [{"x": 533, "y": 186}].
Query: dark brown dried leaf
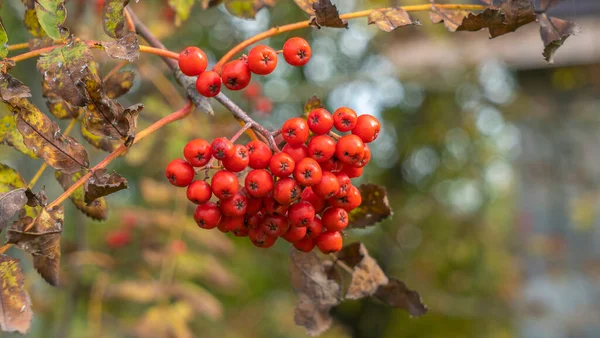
[
  {"x": 102, "y": 184},
  {"x": 124, "y": 48},
  {"x": 451, "y": 19},
  {"x": 12, "y": 88},
  {"x": 374, "y": 208},
  {"x": 15, "y": 304},
  {"x": 101, "y": 142},
  {"x": 327, "y": 15},
  {"x": 306, "y": 5},
  {"x": 311, "y": 104},
  {"x": 97, "y": 209},
  {"x": 396, "y": 294},
  {"x": 36, "y": 199},
  {"x": 367, "y": 276},
  {"x": 57, "y": 106},
  {"x": 517, "y": 13},
  {"x": 118, "y": 84},
  {"x": 42, "y": 240},
  {"x": 11, "y": 203},
  {"x": 390, "y": 19},
  {"x": 554, "y": 32}
]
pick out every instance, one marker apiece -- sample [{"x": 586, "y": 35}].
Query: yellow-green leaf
[
  {"x": 182, "y": 9},
  {"x": 311, "y": 104},
  {"x": 40, "y": 38},
  {"x": 15, "y": 304},
  {"x": 10, "y": 179},
  {"x": 113, "y": 19},
  {"x": 247, "y": 9},
  {"x": 97, "y": 209},
  {"x": 373, "y": 209},
  {"x": 51, "y": 15},
  {"x": 3, "y": 40},
  {"x": 9, "y": 135}
]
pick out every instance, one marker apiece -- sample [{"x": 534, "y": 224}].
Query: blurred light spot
[
  {"x": 320, "y": 68},
  {"x": 390, "y": 91},
  {"x": 353, "y": 42},
  {"x": 377, "y": 65},
  {"x": 413, "y": 95},
  {"x": 499, "y": 175},
  {"x": 465, "y": 196},
  {"x": 249, "y": 28},
  {"x": 420, "y": 164},
  {"x": 409, "y": 237},
  {"x": 277, "y": 89},
  {"x": 497, "y": 82},
  {"x": 509, "y": 141},
  {"x": 457, "y": 143},
  {"x": 468, "y": 96},
  {"x": 384, "y": 151},
  {"x": 489, "y": 121}
]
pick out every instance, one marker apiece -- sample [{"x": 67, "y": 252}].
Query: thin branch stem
[
  {"x": 18, "y": 46},
  {"x": 348, "y": 16},
  {"x": 129, "y": 21}
]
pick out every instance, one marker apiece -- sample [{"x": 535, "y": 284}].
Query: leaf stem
[
  {"x": 17, "y": 46},
  {"x": 348, "y": 16}
]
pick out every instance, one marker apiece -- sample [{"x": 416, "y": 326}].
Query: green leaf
[
  {"x": 51, "y": 15},
  {"x": 3, "y": 40},
  {"x": 182, "y": 9},
  {"x": 97, "y": 209},
  {"x": 101, "y": 142},
  {"x": 247, "y": 9},
  {"x": 373, "y": 209},
  {"x": 15, "y": 304},
  {"x": 118, "y": 84},
  {"x": 63, "y": 68},
  {"x": 9, "y": 135},
  {"x": 40, "y": 38},
  {"x": 113, "y": 19},
  {"x": 10, "y": 179}
]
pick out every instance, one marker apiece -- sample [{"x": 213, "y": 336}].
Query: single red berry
[
  {"x": 262, "y": 60},
  {"x": 320, "y": 121},
  {"x": 330, "y": 241},
  {"x": 333, "y": 164},
  {"x": 199, "y": 192},
  {"x": 192, "y": 61},
  {"x": 350, "y": 149},
  {"x": 306, "y": 244},
  {"x": 241, "y": 231},
  {"x": 321, "y": 148},
  {"x": 221, "y": 148},
  {"x": 296, "y": 51},
  {"x": 352, "y": 171},
  {"x": 294, "y": 234},
  {"x": 295, "y": 131},
  {"x": 236, "y": 75},
  {"x": 351, "y": 200},
  {"x": 230, "y": 223},
  {"x": 308, "y": 172},
  {"x": 118, "y": 238},
  {"x": 327, "y": 187},
  {"x": 259, "y": 154},
  {"x": 286, "y": 190},
  {"x": 254, "y": 205},
  {"x": 259, "y": 183},
  {"x": 282, "y": 165},
  {"x": 275, "y": 225},
  {"x": 344, "y": 183},
  {"x": 180, "y": 173},
  {"x": 297, "y": 153},
  {"x": 239, "y": 160},
  {"x": 260, "y": 239},
  {"x": 255, "y": 220},
  {"x": 234, "y": 206},
  {"x": 314, "y": 228},
  {"x": 344, "y": 119},
  {"x": 252, "y": 91},
  {"x": 301, "y": 214},
  {"x": 208, "y": 84},
  {"x": 365, "y": 160},
  {"x": 367, "y": 128},
  {"x": 272, "y": 207},
  {"x": 207, "y": 215},
  {"x": 335, "y": 219},
  {"x": 197, "y": 152},
  {"x": 317, "y": 202},
  {"x": 178, "y": 247},
  {"x": 224, "y": 184},
  {"x": 263, "y": 105}
]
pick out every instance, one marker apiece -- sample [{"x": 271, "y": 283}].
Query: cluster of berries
[
  {"x": 302, "y": 194},
  {"x": 236, "y": 74}
]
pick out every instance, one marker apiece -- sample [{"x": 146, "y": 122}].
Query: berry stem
[
  {"x": 305, "y": 24},
  {"x": 335, "y": 136},
  {"x": 129, "y": 21},
  {"x": 240, "y": 132}
]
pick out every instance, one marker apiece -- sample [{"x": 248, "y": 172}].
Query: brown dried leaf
[
  {"x": 367, "y": 276},
  {"x": 10, "y": 203},
  {"x": 118, "y": 84},
  {"x": 327, "y": 15},
  {"x": 374, "y": 208},
  {"x": 36, "y": 199},
  {"x": 306, "y": 5},
  {"x": 10, "y": 135},
  {"x": 12, "y": 88},
  {"x": 206, "y": 4},
  {"x": 451, "y": 19},
  {"x": 97, "y": 209},
  {"x": 57, "y": 106},
  {"x": 317, "y": 294},
  {"x": 15, "y": 304},
  {"x": 124, "y": 48},
  {"x": 102, "y": 184},
  {"x": 101, "y": 142},
  {"x": 42, "y": 240},
  {"x": 390, "y": 19},
  {"x": 517, "y": 13},
  {"x": 554, "y": 32},
  {"x": 396, "y": 294},
  {"x": 311, "y": 104}
]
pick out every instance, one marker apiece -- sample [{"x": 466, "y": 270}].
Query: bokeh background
[{"x": 489, "y": 155}]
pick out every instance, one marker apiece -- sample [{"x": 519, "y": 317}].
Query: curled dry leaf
[
  {"x": 317, "y": 294},
  {"x": 327, "y": 15},
  {"x": 42, "y": 240},
  {"x": 312, "y": 103},
  {"x": 10, "y": 203},
  {"x": 9, "y": 135},
  {"x": 38, "y": 199},
  {"x": 97, "y": 209},
  {"x": 11, "y": 87},
  {"x": 390, "y": 19},
  {"x": 306, "y": 5},
  {"x": 554, "y": 32},
  {"x": 101, "y": 142},
  {"x": 374, "y": 208},
  {"x": 51, "y": 15},
  {"x": 396, "y": 294},
  {"x": 118, "y": 84},
  {"x": 113, "y": 19},
  {"x": 247, "y": 9},
  {"x": 15, "y": 304},
  {"x": 367, "y": 276},
  {"x": 102, "y": 184},
  {"x": 126, "y": 47}
]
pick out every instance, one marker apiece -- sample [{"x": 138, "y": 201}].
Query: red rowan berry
[
  {"x": 330, "y": 241},
  {"x": 208, "y": 84},
  {"x": 321, "y": 148},
  {"x": 297, "y": 153},
  {"x": 118, "y": 238},
  {"x": 275, "y": 225},
  {"x": 263, "y": 105},
  {"x": 260, "y": 239},
  {"x": 239, "y": 160},
  {"x": 295, "y": 131},
  {"x": 259, "y": 183},
  {"x": 255, "y": 220},
  {"x": 224, "y": 184},
  {"x": 236, "y": 75},
  {"x": 252, "y": 91},
  {"x": 327, "y": 187},
  {"x": 234, "y": 206},
  {"x": 286, "y": 190},
  {"x": 350, "y": 149},
  {"x": 272, "y": 207},
  {"x": 367, "y": 128},
  {"x": 314, "y": 228},
  {"x": 320, "y": 121},
  {"x": 294, "y": 234},
  {"x": 199, "y": 192},
  {"x": 296, "y": 51},
  {"x": 230, "y": 223},
  {"x": 281, "y": 165},
  {"x": 262, "y": 60},
  {"x": 197, "y": 152},
  {"x": 332, "y": 164},
  {"x": 178, "y": 247},
  {"x": 352, "y": 171},
  {"x": 259, "y": 154},
  {"x": 207, "y": 215},
  {"x": 351, "y": 200},
  {"x": 192, "y": 61},
  {"x": 301, "y": 214},
  {"x": 344, "y": 119},
  {"x": 254, "y": 205},
  {"x": 221, "y": 148},
  {"x": 344, "y": 183},
  {"x": 180, "y": 173},
  {"x": 308, "y": 172},
  {"x": 307, "y": 244},
  {"x": 309, "y": 196},
  {"x": 335, "y": 219},
  {"x": 365, "y": 160}
]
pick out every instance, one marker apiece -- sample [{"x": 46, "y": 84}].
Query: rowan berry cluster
[
  {"x": 302, "y": 193},
  {"x": 236, "y": 74}
]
